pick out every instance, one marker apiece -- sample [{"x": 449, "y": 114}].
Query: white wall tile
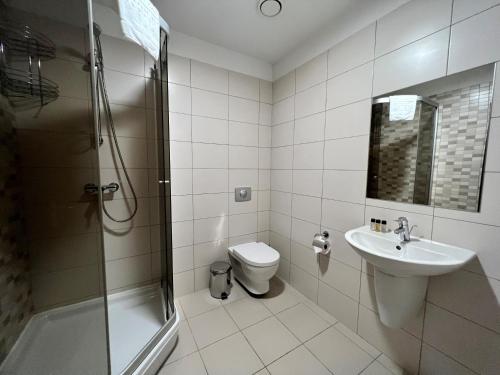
[
  {"x": 349, "y": 121},
  {"x": 243, "y": 157},
  {"x": 281, "y": 180},
  {"x": 179, "y": 70},
  {"x": 400, "y": 346},
  {"x": 349, "y": 186},
  {"x": 209, "y": 104},
  {"x": 264, "y": 198},
  {"x": 339, "y": 305},
  {"x": 243, "y": 177},
  {"x": 308, "y": 182},
  {"x": 415, "y": 63},
  {"x": 263, "y": 221},
  {"x": 410, "y": 22},
  {"x": 464, "y": 8},
  {"x": 243, "y": 134},
  {"x": 266, "y": 91},
  {"x": 282, "y": 134},
  {"x": 182, "y": 233},
  {"x": 284, "y": 87},
  {"x": 311, "y": 73},
  {"x": 180, "y": 127},
  {"x": 212, "y": 229},
  {"x": 347, "y": 153},
  {"x": 179, "y": 98},
  {"x": 243, "y": 110},
  {"x": 342, "y": 216},
  {"x": 264, "y": 179},
  {"x": 280, "y": 244},
  {"x": 264, "y": 158},
  {"x": 181, "y": 155},
  {"x": 208, "y": 77},
  {"x": 304, "y": 283},
  {"x": 464, "y": 341},
  {"x": 350, "y": 87},
  {"x": 183, "y": 283},
  {"x": 210, "y": 181},
  {"x": 471, "y": 41},
  {"x": 182, "y": 259},
  {"x": 352, "y": 52},
  {"x": 482, "y": 239},
  {"x": 209, "y": 252},
  {"x": 264, "y": 136},
  {"x": 283, "y": 111},
  {"x": 281, "y": 157},
  {"x": 280, "y": 224},
  {"x": 128, "y": 271},
  {"x": 265, "y": 114},
  {"x": 306, "y": 208},
  {"x": 209, "y": 130},
  {"x": 281, "y": 202},
  {"x": 303, "y": 232},
  {"x": 308, "y": 156},
  {"x": 206, "y": 155},
  {"x": 470, "y": 295},
  {"x": 340, "y": 276},
  {"x": 210, "y": 205},
  {"x": 243, "y": 86},
  {"x": 310, "y": 101},
  {"x": 242, "y": 224},
  {"x": 305, "y": 258},
  {"x": 309, "y": 129},
  {"x": 182, "y": 207},
  {"x": 342, "y": 250}
]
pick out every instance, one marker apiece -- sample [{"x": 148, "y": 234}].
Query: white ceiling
[{"x": 239, "y": 26}]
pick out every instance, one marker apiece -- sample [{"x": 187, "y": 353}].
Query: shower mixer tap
[{"x": 112, "y": 187}]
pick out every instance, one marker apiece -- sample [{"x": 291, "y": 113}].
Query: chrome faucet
[{"x": 403, "y": 229}]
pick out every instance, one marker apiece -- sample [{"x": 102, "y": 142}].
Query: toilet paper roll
[{"x": 320, "y": 244}]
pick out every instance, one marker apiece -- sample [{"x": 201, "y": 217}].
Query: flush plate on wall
[{"x": 242, "y": 194}]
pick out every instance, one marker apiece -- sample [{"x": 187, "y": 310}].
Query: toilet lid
[{"x": 256, "y": 254}]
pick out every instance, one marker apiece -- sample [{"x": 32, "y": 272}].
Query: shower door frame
[{"x": 164, "y": 200}]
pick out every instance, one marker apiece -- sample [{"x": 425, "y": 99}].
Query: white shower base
[{"x": 71, "y": 339}]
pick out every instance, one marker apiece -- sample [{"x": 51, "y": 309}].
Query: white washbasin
[
  {"x": 419, "y": 257},
  {"x": 402, "y": 270}
]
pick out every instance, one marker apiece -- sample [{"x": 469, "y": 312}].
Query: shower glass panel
[
  {"x": 52, "y": 314},
  {"x": 131, "y": 107}
]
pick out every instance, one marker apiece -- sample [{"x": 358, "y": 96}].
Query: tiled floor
[{"x": 281, "y": 333}]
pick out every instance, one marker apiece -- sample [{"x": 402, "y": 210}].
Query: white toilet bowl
[{"x": 254, "y": 263}]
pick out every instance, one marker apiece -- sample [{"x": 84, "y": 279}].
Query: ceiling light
[{"x": 270, "y": 8}]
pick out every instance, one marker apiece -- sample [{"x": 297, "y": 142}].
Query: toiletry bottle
[
  {"x": 377, "y": 225},
  {"x": 372, "y": 224},
  {"x": 383, "y": 226}
]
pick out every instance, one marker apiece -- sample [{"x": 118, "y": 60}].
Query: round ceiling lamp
[{"x": 270, "y": 8}]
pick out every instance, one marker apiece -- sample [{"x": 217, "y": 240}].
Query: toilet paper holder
[{"x": 321, "y": 243}]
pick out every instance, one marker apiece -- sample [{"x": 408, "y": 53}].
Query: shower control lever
[{"x": 109, "y": 188}]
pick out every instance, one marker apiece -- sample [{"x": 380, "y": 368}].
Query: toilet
[{"x": 254, "y": 264}]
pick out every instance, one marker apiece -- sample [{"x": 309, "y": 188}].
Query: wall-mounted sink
[{"x": 402, "y": 269}]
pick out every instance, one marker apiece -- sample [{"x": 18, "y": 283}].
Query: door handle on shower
[{"x": 112, "y": 187}]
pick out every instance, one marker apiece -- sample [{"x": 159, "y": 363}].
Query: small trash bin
[{"x": 220, "y": 280}]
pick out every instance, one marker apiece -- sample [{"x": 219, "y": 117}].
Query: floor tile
[
  {"x": 212, "y": 326},
  {"x": 299, "y": 361},
  {"x": 262, "y": 372},
  {"x": 280, "y": 297},
  {"x": 376, "y": 369},
  {"x": 358, "y": 340},
  {"x": 270, "y": 339},
  {"x": 247, "y": 311},
  {"x": 232, "y": 356},
  {"x": 192, "y": 365},
  {"x": 338, "y": 353},
  {"x": 198, "y": 303},
  {"x": 389, "y": 364},
  {"x": 302, "y": 322},
  {"x": 237, "y": 293},
  {"x": 326, "y": 316},
  {"x": 185, "y": 343}
]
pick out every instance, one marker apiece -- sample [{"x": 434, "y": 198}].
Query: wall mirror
[{"x": 428, "y": 142}]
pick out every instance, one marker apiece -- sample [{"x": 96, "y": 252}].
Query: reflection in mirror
[{"x": 428, "y": 142}]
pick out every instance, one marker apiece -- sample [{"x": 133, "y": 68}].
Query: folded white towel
[
  {"x": 140, "y": 22},
  {"x": 402, "y": 107}
]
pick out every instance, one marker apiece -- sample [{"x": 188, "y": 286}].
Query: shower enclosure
[{"x": 85, "y": 236}]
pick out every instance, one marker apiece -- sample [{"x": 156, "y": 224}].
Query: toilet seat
[{"x": 256, "y": 254}]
